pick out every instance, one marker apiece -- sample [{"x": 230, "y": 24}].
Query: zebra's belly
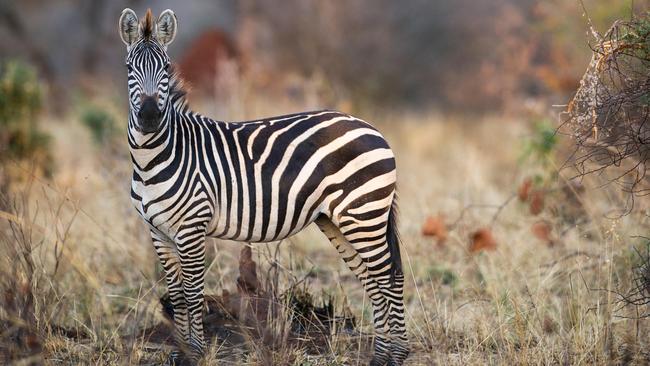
[
  {"x": 253, "y": 232},
  {"x": 247, "y": 228},
  {"x": 157, "y": 223}
]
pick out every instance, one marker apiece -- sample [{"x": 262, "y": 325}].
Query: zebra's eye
[
  {"x": 167, "y": 66},
  {"x": 129, "y": 68}
]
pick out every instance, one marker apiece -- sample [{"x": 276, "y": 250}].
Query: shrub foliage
[{"x": 20, "y": 136}]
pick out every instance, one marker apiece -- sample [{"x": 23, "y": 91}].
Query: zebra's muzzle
[{"x": 149, "y": 115}]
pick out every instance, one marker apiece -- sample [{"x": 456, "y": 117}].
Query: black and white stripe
[{"x": 261, "y": 181}]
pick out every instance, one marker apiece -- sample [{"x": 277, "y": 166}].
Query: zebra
[{"x": 255, "y": 181}]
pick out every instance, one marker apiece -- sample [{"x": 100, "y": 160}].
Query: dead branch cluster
[
  {"x": 607, "y": 119},
  {"x": 608, "y": 114},
  {"x": 638, "y": 295}
]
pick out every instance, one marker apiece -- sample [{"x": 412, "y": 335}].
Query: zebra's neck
[
  {"x": 151, "y": 153},
  {"x": 145, "y": 148}
]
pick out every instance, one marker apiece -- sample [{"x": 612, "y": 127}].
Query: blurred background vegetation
[
  {"x": 239, "y": 58},
  {"x": 363, "y": 53}
]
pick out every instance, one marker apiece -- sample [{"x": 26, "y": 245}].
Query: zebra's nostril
[
  {"x": 149, "y": 114},
  {"x": 149, "y": 109}
]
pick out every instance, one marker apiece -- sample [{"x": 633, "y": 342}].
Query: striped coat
[{"x": 264, "y": 180}]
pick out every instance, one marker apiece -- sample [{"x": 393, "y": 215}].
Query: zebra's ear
[
  {"x": 166, "y": 27},
  {"x": 128, "y": 26}
]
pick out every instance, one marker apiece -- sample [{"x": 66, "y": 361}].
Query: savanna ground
[{"x": 537, "y": 285}]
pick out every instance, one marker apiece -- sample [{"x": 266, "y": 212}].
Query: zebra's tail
[{"x": 393, "y": 241}]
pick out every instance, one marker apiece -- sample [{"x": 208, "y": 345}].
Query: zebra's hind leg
[
  {"x": 171, "y": 264},
  {"x": 369, "y": 234},
  {"x": 382, "y": 346},
  {"x": 399, "y": 342}
]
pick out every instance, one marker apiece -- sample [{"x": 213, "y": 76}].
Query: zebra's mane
[
  {"x": 147, "y": 25},
  {"x": 177, "y": 89}
]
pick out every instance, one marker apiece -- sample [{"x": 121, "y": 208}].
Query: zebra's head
[{"x": 149, "y": 71}]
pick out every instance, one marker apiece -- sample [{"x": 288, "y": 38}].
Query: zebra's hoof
[
  {"x": 386, "y": 362},
  {"x": 178, "y": 359},
  {"x": 380, "y": 360},
  {"x": 399, "y": 352},
  {"x": 390, "y": 360}
]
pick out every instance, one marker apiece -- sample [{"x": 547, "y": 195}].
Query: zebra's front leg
[
  {"x": 170, "y": 261},
  {"x": 191, "y": 249}
]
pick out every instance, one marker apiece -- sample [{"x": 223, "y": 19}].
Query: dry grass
[{"x": 95, "y": 283}]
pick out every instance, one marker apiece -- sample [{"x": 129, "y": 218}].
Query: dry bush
[
  {"x": 638, "y": 295},
  {"x": 607, "y": 118},
  {"x": 21, "y": 338},
  {"x": 608, "y": 115},
  {"x": 28, "y": 280}
]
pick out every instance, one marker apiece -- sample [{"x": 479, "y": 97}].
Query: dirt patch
[{"x": 255, "y": 316}]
